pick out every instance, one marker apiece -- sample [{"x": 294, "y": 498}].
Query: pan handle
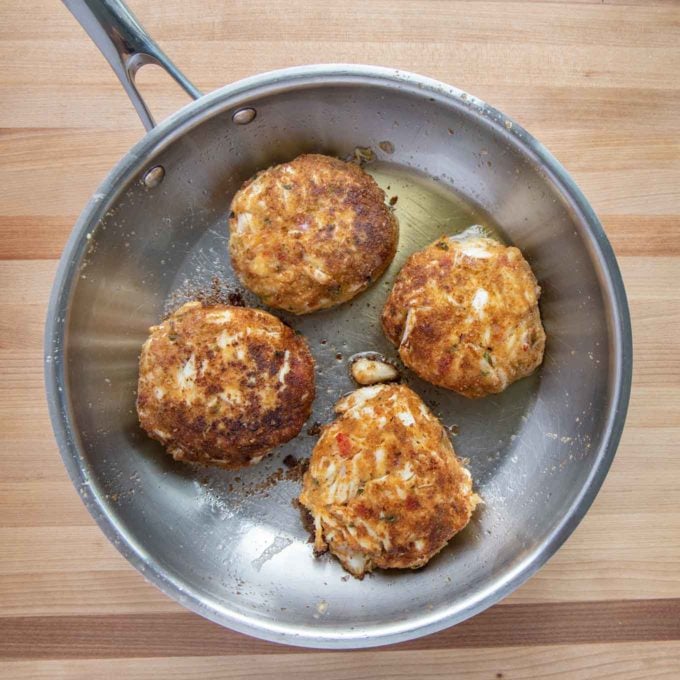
[{"x": 127, "y": 47}]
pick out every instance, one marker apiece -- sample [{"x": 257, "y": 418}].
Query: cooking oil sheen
[{"x": 427, "y": 209}]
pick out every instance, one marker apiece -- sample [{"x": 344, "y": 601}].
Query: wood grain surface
[{"x": 597, "y": 82}]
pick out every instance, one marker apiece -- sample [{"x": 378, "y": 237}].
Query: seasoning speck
[
  {"x": 363, "y": 154},
  {"x": 314, "y": 429}
]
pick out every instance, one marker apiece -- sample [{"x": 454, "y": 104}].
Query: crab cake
[
  {"x": 384, "y": 486},
  {"x": 222, "y": 385},
  {"x": 464, "y": 315},
  {"x": 310, "y": 234}
]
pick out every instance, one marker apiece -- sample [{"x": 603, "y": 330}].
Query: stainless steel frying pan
[{"x": 228, "y": 546}]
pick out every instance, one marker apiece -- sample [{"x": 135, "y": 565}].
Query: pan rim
[{"x": 177, "y": 125}]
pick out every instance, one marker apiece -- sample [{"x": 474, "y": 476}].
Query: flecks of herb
[
  {"x": 287, "y": 187},
  {"x": 390, "y": 518},
  {"x": 360, "y": 490},
  {"x": 487, "y": 358},
  {"x": 364, "y": 154},
  {"x": 442, "y": 245},
  {"x": 172, "y": 337}
]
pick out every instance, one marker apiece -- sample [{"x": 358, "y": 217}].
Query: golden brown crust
[
  {"x": 384, "y": 485},
  {"x": 310, "y": 234},
  {"x": 222, "y": 385},
  {"x": 464, "y": 315}
]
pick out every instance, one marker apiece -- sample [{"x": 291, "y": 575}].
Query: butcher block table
[{"x": 597, "y": 83}]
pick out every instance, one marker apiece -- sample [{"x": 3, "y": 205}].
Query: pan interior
[{"x": 235, "y": 544}]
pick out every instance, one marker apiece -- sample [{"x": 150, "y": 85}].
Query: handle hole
[{"x": 161, "y": 93}]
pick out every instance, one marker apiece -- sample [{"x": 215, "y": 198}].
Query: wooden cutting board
[{"x": 598, "y": 83}]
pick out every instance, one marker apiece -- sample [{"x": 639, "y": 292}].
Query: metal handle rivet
[
  {"x": 244, "y": 116},
  {"x": 153, "y": 177}
]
